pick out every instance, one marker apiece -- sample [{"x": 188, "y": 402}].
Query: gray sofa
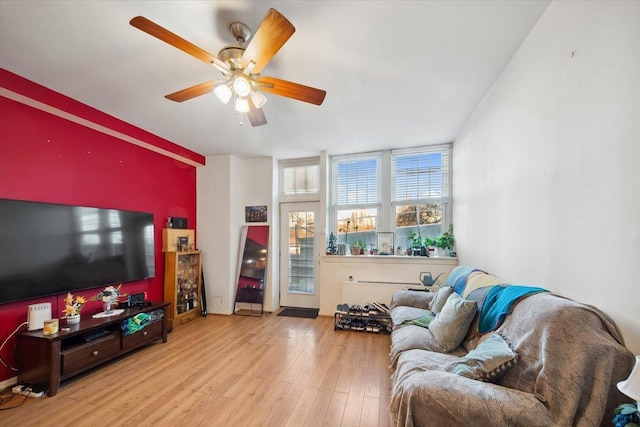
[{"x": 556, "y": 363}]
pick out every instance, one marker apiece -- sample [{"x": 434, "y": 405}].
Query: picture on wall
[
  {"x": 385, "y": 243},
  {"x": 255, "y": 214}
]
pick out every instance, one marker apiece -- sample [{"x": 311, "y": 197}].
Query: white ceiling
[{"x": 397, "y": 73}]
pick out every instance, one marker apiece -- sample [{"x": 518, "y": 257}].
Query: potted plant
[
  {"x": 445, "y": 242},
  {"x": 429, "y": 245},
  {"x": 355, "y": 248},
  {"x": 416, "y": 243},
  {"x": 72, "y": 307},
  {"x": 343, "y": 248}
]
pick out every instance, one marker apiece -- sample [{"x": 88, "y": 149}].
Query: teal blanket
[
  {"x": 499, "y": 302},
  {"x": 134, "y": 324}
]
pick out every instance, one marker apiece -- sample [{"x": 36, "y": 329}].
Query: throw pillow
[
  {"x": 487, "y": 362},
  {"x": 451, "y": 325},
  {"x": 440, "y": 298}
]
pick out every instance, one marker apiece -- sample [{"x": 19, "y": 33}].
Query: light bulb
[
  {"x": 223, "y": 93},
  {"x": 258, "y": 99},
  {"x": 241, "y": 86},
  {"x": 242, "y": 105}
]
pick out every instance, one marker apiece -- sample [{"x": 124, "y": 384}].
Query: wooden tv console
[{"x": 48, "y": 359}]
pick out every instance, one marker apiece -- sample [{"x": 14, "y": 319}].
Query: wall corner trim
[{"x": 6, "y": 93}]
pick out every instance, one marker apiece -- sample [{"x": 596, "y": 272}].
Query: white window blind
[
  {"x": 356, "y": 181},
  {"x": 303, "y": 179},
  {"x": 420, "y": 176}
]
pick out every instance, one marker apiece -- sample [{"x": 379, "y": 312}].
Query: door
[{"x": 298, "y": 258}]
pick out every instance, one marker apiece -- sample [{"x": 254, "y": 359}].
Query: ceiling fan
[{"x": 240, "y": 66}]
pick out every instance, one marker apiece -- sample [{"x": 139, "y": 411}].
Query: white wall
[
  {"x": 255, "y": 183},
  {"x": 224, "y": 187},
  {"x": 335, "y": 270},
  {"x": 546, "y": 177},
  {"x": 213, "y": 233}
]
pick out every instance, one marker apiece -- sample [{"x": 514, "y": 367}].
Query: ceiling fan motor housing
[{"x": 232, "y": 55}]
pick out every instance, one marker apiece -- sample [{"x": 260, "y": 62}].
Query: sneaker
[
  {"x": 369, "y": 327},
  {"x": 375, "y": 327},
  {"x": 372, "y": 309}
]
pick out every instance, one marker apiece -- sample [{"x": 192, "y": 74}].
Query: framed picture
[
  {"x": 385, "y": 242},
  {"x": 183, "y": 243},
  {"x": 255, "y": 214}
]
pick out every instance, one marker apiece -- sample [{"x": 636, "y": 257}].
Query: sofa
[{"x": 483, "y": 352}]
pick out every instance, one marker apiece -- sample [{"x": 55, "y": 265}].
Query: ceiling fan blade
[
  {"x": 291, "y": 90},
  {"x": 272, "y": 34},
  {"x": 193, "y": 91},
  {"x": 256, "y": 115},
  {"x": 155, "y": 30}
]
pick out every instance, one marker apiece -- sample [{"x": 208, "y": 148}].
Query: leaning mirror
[{"x": 252, "y": 267}]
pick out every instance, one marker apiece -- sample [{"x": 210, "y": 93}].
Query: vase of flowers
[{"x": 72, "y": 307}]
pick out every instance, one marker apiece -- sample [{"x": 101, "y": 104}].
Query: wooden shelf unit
[
  {"x": 170, "y": 238},
  {"x": 49, "y": 359},
  {"x": 182, "y": 286}
]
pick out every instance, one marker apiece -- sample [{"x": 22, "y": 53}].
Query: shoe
[
  {"x": 373, "y": 311},
  {"x": 365, "y": 310},
  {"x": 369, "y": 327},
  {"x": 344, "y": 323},
  {"x": 375, "y": 327}
]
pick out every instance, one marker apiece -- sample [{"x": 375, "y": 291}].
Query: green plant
[
  {"x": 416, "y": 240},
  {"x": 445, "y": 241},
  {"x": 428, "y": 242}
]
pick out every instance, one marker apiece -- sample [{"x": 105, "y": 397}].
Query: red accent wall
[{"x": 49, "y": 159}]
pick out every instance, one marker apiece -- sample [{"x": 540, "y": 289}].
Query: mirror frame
[{"x": 254, "y": 240}]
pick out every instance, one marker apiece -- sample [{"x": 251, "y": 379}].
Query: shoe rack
[{"x": 373, "y": 317}]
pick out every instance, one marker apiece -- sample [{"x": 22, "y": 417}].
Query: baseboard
[{"x": 8, "y": 383}]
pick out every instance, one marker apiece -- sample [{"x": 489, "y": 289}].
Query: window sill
[{"x": 389, "y": 259}]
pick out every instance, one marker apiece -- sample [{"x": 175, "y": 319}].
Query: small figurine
[{"x": 332, "y": 249}]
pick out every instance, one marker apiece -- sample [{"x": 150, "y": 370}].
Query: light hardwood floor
[{"x": 230, "y": 371}]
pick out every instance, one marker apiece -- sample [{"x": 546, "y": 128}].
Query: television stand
[{"x": 49, "y": 359}]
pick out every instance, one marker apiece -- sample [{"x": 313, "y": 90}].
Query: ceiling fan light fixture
[
  {"x": 223, "y": 93},
  {"x": 242, "y": 105},
  {"x": 241, "y": 86},
  {"x": 258, "y": 99}
]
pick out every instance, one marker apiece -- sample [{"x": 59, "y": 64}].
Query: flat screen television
[{"x": 48, "y": 249}]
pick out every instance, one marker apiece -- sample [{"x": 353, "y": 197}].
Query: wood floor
[{"x": 230, "y": 371}]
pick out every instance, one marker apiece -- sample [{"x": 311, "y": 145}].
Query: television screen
[{"x": 47, "y": 249}]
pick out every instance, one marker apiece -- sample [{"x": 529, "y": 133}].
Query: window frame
[
  {"x": 334, "y": 207},
  {"x": 386, "y": 205},
  {"x": 301, "y": 197}
]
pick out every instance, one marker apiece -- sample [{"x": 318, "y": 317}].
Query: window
[
  {"x": 356, "y": 195},
  {"x": 300, "y": 179},
  {"x": 419, "y": 192},
  {"x": 405, "y": 191}
]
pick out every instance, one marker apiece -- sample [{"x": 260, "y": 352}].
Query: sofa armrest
[{"x": 418, "y": 299}]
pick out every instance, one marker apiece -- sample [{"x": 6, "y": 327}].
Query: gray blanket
[{"x": 570, "y": 357}]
